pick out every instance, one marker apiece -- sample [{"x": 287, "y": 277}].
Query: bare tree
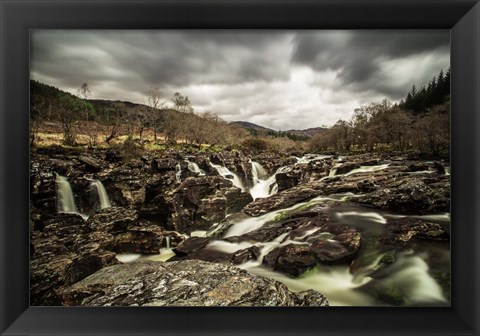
[
  {"x": 113, "y": 122},
  {"x": 84, "y": 93},
  {"x": 182, "y": 103},
  {"x": 154, "y": 99}
]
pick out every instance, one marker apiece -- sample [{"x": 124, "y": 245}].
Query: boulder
[
  {"x": 346, "y": 167},
  {"x": 292, "y": 259},
  {"x": 184, "y": 283},
  {"x": 399, "y": 232},
  {"x": 340, "y": 246},
  {"x": 199, "y": 202},
  {"x": 410, "y": 195},
  {"x": 91, "y": 164},
  {"x": 191, "y": 245}
]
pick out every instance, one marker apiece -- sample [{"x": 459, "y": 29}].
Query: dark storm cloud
[
  {"x": 359, "y": 56},
  {"x": 283, "y": 79},
  {"x": 165, "y": 58}
]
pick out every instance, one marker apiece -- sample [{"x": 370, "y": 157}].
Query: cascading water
[
  {"x": 264, "y": 186},
  {"x": 311, "y": 157},
  {"x": 229, "y": 175},
  {"x": 367, "y": 169},
  {"x": 410, "y": 275},
  {"x": 258, "y": 172},
  {"x": 65, "y": 200},
  {"x": 102, "y": 194},
  {"x": 344, "y": 285},
  {"x": 178, "y": 173},
  {"x": 193, "y": 167}
]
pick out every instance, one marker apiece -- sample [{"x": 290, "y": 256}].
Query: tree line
[
  {"x": 420, "y": 122},
  {"x": 173, "y": 118}
]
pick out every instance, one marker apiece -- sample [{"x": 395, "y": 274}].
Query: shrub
[
  {"x": 129, "y": 150},
  {"x": 254, "y": 145}
]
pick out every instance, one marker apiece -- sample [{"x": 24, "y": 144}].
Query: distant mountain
[
  {"x": 306, "y": 133},
  {"x": 251, "y": 126},
  {"x": 309, "y": 132}
]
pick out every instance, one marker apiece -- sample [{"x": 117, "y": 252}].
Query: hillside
[
  {"x": 293, "y": 134},
  {"x": 251, "y": 126},
  {"x": 308, "y": 133}
]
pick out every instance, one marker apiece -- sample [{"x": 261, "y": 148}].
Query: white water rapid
[
  {"x": 229, "y": 175},
  {"x": 193, "y": 167},
  {"x": 263, "y": 185}
]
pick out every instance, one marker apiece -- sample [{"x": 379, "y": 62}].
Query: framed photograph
[{"x": 248, "y": 167}]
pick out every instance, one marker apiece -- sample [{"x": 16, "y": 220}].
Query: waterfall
[
  {"x": 193, "y": 167},
  {"x": 65, "y": 200},
  {"x": 178, "y": 170},
  {"x": 228, "y": 175},
  {"x": 167, "y": 242},
  {"x": 264, "y": 187},
  {"x": 102, "y": 194},
  {"x": 258, "y": 172}
]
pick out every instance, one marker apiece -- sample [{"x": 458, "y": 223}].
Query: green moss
[
  {"x": 286, "y": 214},
  {"x": 155, "y": 146},
  {"x": 309, "y": 272}
]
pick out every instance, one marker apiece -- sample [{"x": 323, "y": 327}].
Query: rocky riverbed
[{"x": 214, "y": 229}]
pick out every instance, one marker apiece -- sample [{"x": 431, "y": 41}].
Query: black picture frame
[{"x": 17, "y": 17}]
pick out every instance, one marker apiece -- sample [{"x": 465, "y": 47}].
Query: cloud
[
  {"x": 366, "y": 60},
  {"x": 280, "y": 79}
]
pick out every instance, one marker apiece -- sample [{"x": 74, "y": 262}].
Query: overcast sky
[{"x": 278, "y": 79}]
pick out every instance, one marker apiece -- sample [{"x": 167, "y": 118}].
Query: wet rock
[
  {"x": 145, "y": 239},
  {"x": 399, "y": 232},
  {"x": 44, "y": 246},
  {"x": 157, "y": 210},
  {"x": 94, "y": 241},
  {"x": 242, "y": 256},
  {"x": 46, "y": 274},
  {"x": 293, "y": 259},
  {"x": 65, "y": 225},
  {"x": 191, "y": 245},
  {"x": 346, "y": 168},
  {"x": 330, "y": 244},
  {"x": 332, "y": 252},
  {"x": 163, "y": 164},
  {"x": 51, "y": 273},
  {"x": 236, "y": 199},
  {"x": 91, "y": 164},
  {"x": 127, "y": 184},
  {"x": 271, "y": 230},
  {"x": 199, "y": 202},
  {"x": 412, "y": 195},
  {"x": 87, "y": 264},
  {"x": 113, "y": 219},
  {"x": 185, "y": 283},
  {"x": 281, "y": 200},
  {"x": 439, "y": 168},
  {"x": 418, "y": 166},
  {"x": 286, "y": 180}
]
